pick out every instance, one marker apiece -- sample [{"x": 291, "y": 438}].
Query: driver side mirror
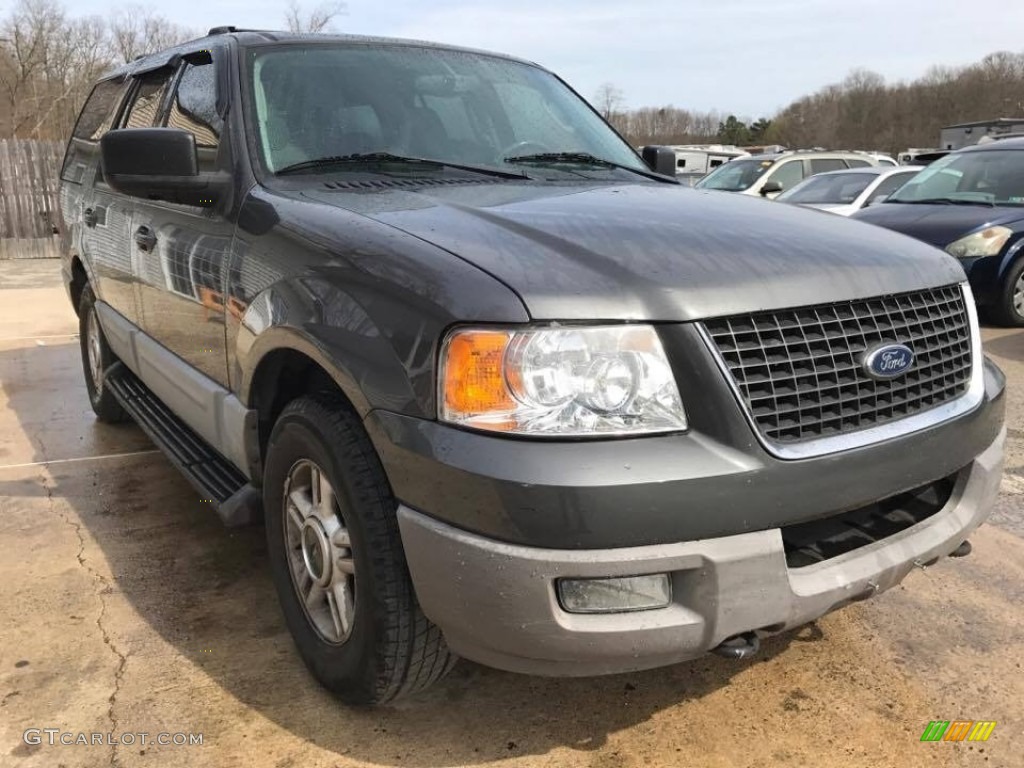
[
  {"x": 660, "y": 160},
  {"x": 771, "y": 188},
  {"x": 158, "y": 164},
  {"x": 876, "y": 200}
]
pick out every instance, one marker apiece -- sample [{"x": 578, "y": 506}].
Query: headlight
[
  {"x": 988, "y": 242},
  {"x": 569, "y": 381}
]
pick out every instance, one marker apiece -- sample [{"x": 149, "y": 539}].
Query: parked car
[
  {"x": 844, "y": 192},
  {"x": 971, "y": 204},
  {"x": 880, "y": 157},
  {"x": 768, "y": 175},
  {"x": 498, "y": 388}
]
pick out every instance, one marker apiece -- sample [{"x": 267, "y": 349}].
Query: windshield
[
  {"x": 993, "y": 177},
  {"x": 736, "y": 175},
  {"x": 321, "y": 100},
  {"x": 837, "y": 188}
]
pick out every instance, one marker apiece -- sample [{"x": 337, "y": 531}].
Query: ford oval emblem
[{"x": 888, "y": 361}]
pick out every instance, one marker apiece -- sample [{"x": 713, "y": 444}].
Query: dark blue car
[{"x": 970, "y": 203}]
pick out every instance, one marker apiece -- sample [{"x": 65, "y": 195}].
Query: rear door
[
  {"x": 182, "y": 250},
  {"x": 97, "y": 234}
]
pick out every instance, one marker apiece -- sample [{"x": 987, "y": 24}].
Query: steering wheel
[{"x": 518, "y": 149}]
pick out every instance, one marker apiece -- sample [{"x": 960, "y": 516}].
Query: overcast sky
[{"x": 750, "y": 57}]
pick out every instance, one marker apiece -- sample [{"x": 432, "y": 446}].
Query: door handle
[
  {"x": 89, "y": 217},
  {"x": 145, "y": 238}
]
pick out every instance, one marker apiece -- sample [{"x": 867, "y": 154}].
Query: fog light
[{"x": 629, "y": 593}]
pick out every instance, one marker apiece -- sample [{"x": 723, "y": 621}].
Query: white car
[
  {"x": 769, "y": 174},
  {"x": 844, "y": 192}
]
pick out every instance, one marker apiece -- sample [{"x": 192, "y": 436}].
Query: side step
[{"x": 216, "y": 479}]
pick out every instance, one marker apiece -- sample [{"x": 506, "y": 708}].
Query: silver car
[{"x": 845, "y": 192}]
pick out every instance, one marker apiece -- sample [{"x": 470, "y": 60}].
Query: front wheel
[
  {"x": 96, "y": 358},
  {"x": 337, "y": 561},
  {"x": 1009, "y": 307}
]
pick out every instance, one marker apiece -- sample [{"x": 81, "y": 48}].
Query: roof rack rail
[{"x": 221, "y": 30}]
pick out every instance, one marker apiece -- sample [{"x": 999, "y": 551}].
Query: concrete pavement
[{"x": 126, "y": 607}]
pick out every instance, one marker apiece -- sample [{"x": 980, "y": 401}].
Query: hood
[
  {"x": 939, "y": 225},
  {"x": 650, "y": 251}
]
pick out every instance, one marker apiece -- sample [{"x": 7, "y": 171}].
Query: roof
[
  {"x": 807, "y": 153},
  {"x": 981, "y": 123},
  {"x": 248, "y": 37},
  {"x": 988, "y": 147},
  {"x": 872, "y": 170}
]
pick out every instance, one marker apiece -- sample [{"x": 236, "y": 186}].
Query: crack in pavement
[{"x": 103, "y": 590}]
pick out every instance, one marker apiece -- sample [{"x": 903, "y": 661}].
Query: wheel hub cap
[
  {"x": 319, "y": 552},
  {"x": 316, "y": 552}
]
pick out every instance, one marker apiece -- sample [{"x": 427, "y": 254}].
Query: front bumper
[
  {"x": 496, "y": 602},
  {"x": 714, "y": 481}
]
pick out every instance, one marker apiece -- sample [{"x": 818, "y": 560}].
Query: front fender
[
  {"x": 368, "y": 303},
  {"x": 355, "y": 374},
  {"x": 1014, "y": 250}
]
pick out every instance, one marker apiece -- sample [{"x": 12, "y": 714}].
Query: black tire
[
  {"x": 103, "y": 402},
  {"x": 1004, "y": 311},
  {"x": 392, "y": 649}
]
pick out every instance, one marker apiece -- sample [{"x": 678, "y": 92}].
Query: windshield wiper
[
  {"x": 368, "y": 158},
  {"x": 945, "y": 201},
  {"x": 583, "y": 158}
]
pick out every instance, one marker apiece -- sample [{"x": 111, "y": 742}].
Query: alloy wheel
[
  {"x": 319, "y": 552},
  {"x": 94, "y": 350}
]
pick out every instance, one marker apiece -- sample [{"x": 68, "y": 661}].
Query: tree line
[
  {"x": 49, "y": 59},
  {"x": 861, "y": 112}
]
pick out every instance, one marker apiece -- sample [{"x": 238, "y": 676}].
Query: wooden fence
[{"x": 29, "y": 203}]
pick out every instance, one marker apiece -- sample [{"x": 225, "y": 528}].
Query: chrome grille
[{"x": 800, "y": 371}]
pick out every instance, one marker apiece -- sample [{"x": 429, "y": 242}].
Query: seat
[
  {"x": 1008, "y": 186},
  {"x": 428, "y": 138}
]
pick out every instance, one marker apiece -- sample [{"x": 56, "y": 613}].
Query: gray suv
[{"x": 497, "y": 385}]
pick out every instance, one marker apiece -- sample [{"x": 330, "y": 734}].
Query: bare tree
[
  {"x": 50, "y": 61},
  {"x": 136, "y": 30},
  {"x": 609, "y": 100},
  {"x": 319, "y": 19},
  {"x": 30, "y": 34}
]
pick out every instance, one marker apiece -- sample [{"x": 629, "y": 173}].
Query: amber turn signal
[{"x": 474, "y": 373}]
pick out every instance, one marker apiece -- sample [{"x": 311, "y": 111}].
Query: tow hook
[
  {"x": 741, "y": 646},
  {"x": 962, "y": 551}
]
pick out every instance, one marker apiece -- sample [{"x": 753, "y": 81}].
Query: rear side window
[
  {"x": 194, "y": 109},
  {"x": 95, "y": 119},
  {"x": 821, "y": 165},
  {"x": 148, "y": 97},
  {"x": 856, "y": 162},
  {"x": 890, "y": 185}
]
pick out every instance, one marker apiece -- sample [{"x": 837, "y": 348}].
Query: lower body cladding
[{"x": 498, "y": 603}]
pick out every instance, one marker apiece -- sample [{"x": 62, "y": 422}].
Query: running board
[{"x": 216, "y": 479}]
